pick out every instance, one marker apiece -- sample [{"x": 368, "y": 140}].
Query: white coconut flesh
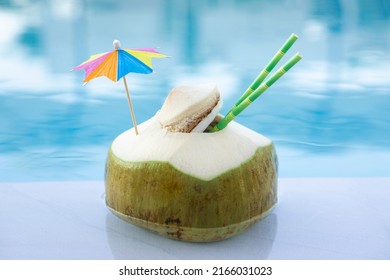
[{"x": 201, "y": 155}]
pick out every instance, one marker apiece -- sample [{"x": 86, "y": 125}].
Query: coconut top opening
[{"x": 201, "y": 155}]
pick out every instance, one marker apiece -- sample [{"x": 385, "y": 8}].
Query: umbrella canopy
[{"x": 117, "y": 63}]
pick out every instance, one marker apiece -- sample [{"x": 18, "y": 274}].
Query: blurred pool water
[{"x": 329, "y": 116}]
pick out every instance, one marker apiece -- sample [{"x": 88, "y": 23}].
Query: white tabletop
[{"x": 314, "y": 219}]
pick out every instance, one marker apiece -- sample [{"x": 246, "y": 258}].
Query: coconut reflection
[{"x": 127, "y": 241}]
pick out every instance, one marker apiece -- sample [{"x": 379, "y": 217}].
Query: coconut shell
[{"x": 157, "y": 196}]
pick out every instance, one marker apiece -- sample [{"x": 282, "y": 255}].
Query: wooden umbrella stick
[{"x": 130, "y": 106}]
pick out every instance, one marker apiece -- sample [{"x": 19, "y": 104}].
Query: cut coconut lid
[{"x": 187, "y": 106}]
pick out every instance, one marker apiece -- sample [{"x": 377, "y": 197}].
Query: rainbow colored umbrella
[{"x": 117, "y": 64}]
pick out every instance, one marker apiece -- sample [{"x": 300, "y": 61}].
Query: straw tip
[{"x": 293, "y": 37}]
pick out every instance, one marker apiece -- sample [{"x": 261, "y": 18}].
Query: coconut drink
[
  {"x": 189, "y": 173},
  {"x": 186, "y": 184}
]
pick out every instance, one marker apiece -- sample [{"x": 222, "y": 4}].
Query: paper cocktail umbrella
[{"x": 117, "y": 63}]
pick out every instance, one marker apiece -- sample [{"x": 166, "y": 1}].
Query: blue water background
[{"x": 328, "y": 117}]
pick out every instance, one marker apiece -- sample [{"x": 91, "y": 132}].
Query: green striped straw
[
  {"x": 271, "y": 64},
  {"x": 252, "y": 97}
]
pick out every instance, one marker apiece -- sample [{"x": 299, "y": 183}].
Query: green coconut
[{"x": 191, "y": 186}]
